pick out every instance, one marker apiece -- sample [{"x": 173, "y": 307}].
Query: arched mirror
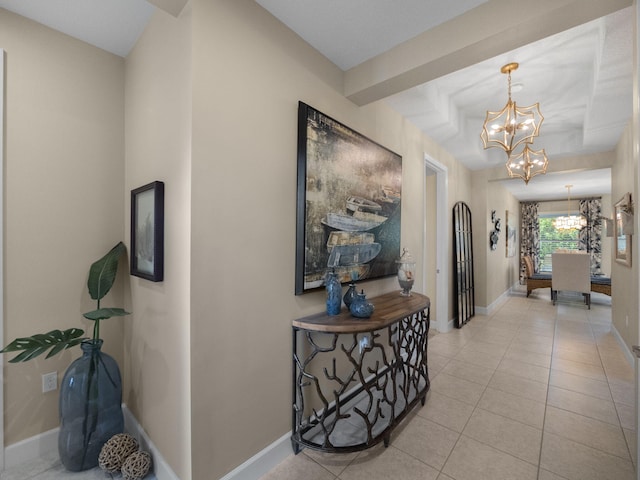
[{"x": 464, "y": 307}]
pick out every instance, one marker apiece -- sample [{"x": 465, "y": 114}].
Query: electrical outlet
[
  {"x": 49, "y": 382},
  {"x": 364, "y": 343}
]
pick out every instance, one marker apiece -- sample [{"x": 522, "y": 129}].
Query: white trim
[
  {"x": 495, "y": 304},
  {"x": 450, "y": 324},
  {"x": 161, "y": 469},
  {"x": 628, "y": 354},
  {"x": 263, "y": 461},
  {"x": 31, "y": 448},
  {"x": 441, "y": 323}
]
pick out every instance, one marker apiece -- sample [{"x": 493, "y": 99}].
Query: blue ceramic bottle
[
  {"x": 350, "y": 295},
  {"x": 334, "y": 293},
  {"x": 360, "y": 307}
]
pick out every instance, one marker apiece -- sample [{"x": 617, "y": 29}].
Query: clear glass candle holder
[{"x": 406, "y": 272}]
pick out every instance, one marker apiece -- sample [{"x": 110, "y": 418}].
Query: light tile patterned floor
[{"x": 534, "y": 391}]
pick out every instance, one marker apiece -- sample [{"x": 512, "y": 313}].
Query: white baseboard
[
  {"x": 450, "y": 326},
  {"x": 44, "y": 443},
  {"x": 623, "y": 346},
  {"x": 262, "y": 461},
  {"x": 31, "y": 448},
  {"x": 494, "y": 305},
  {"x": 161, "y": 469}
]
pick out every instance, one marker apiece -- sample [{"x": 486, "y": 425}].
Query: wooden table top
[{"x": 388, "y": 309}]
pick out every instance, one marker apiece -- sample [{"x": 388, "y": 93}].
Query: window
[{"x": 552, "y": 239}]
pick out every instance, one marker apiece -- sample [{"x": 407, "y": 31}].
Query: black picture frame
[
  {"x": 147, "y": 232},
  {"x": 349, "y": 192}
]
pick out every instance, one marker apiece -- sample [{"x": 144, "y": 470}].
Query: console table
[{"x": 355, "y": 379}]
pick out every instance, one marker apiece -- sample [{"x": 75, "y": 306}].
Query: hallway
[{"x": 534, "y": 391}]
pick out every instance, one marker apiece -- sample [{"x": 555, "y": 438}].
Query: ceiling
[{"x": 582, "y": 77}]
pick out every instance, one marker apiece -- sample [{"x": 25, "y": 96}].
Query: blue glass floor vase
[{"x": 90, "y": 407}]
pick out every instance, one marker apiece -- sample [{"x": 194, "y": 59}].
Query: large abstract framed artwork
[
  {"x": 623, "y": 228},
  {"x": 348, "y": 203},
  {"x": 147, "y": 232}
]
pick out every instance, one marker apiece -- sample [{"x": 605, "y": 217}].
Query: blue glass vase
[
  {"x": 90, "y": 407},
  {"x": 334, "y": 294}
]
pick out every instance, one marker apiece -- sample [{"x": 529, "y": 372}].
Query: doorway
[{"x": 441, "y": 261}]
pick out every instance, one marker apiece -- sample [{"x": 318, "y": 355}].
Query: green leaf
[
  {"x": 104, "y": 313},
  {"x": 28, "y": 355},
  {"x": 63, "y": 346},
  {"x": 31, "y": 347},
  {"x": 103, "y": 272}
]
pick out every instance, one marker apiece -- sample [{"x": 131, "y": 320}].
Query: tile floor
[
  {"x": 48, "y": 467},
  {"x": 534, "y": 391}
]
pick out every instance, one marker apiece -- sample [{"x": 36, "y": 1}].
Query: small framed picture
[
  {"x": 147, "y": 231},
  {"x": 511, "y": 234}
]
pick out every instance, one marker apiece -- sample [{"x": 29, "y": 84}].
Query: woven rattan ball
[
  {"x": 136, "y": 466},
  {"x": 117, "y": 449}
]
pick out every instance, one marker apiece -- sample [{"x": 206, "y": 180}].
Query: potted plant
[{"x": 91, "y": 389}]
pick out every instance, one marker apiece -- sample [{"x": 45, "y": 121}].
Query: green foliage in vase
[{"x": 102, "y": 274}]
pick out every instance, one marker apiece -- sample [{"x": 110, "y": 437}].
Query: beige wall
[
  {"x": 495, "y": 273},
  {"x": 64, "y": 201},
  {"x": 249, "y": 74},
  {"x": 624, "y": 279},
  {"x": 158, "y": 147},
  {"x": 481, "y": 224},
  {"x": 502, "y": 272}
]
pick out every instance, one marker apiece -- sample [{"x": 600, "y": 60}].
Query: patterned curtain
[
  {"x": 590, "y": 237},
  {"x": 529, "y": 236}
]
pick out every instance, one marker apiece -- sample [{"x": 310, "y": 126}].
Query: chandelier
[
  {"x": 527, "y": 164},
  {"x": 570, "y": 222},
  {"x": 514, "y": 126}
]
